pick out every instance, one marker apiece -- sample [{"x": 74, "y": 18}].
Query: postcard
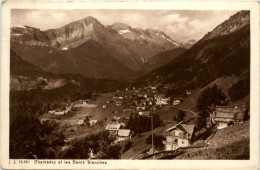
[{"x": 130, "y": 85}]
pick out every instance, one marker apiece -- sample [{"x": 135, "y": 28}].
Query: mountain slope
[
  {"x": 164, "y": 57},
  {"x": 88, "y": 59},
  {"x": 208, "y": 59}
]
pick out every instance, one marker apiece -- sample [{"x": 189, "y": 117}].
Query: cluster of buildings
[
  {"x": 115, "y": 129},
  {"x": 61, "y": 111}
]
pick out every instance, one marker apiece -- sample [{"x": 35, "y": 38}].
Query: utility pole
[{"x": 151, "y": 111}]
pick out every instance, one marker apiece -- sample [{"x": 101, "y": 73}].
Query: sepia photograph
[{"x": 129, "y": 84}]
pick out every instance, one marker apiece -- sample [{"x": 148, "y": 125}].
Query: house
[
  {"x": 118, "y": 103},
  {"x": 59, "y": 113},
  {"x": 116, "y": 118},
  {"x": 188, "y": 92},
  {"x": 123, "y": 134},
  {"x": 115, "y": 98},
  {"x": 162, "y": 101},
  {"x": 120, "y": 98},
  {"x": 51, "y": 111},
  {"x": 138, "y": 108},
  {"x": 144, "y": 113},
  {"x": 179, "y": 135},
  {"x": 81, "y": 122},
  {"x": 143, "y": 102},
  {"x": 225, "y": 116},
  {"x": 113, "y": 128},
  {"x": 153, "y": 87},
  {"x": 93, "y": 122},
  {"x": 176, "y": 101}
]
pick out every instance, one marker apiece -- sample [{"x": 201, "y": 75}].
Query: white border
[{"x": 138, "y": 164}]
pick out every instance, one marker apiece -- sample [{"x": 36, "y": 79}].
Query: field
[{"x": 229, "y": 143}]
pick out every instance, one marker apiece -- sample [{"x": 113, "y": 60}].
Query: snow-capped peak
[
  {"x": 65, "y": 48},
  {"x": 123, "y": 31}
]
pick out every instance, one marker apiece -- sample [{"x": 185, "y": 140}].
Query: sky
[{"x": 180, "y": 25}]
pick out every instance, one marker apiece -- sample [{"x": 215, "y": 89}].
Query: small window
[
  {"x": 183, "y": 142},
  {"x": 176, "y": 140}
]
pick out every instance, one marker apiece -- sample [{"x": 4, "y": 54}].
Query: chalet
[
  {"x": 162, "y": 101},
  {"x": 113, "y": 128},
  {"x": 143, "y": 102},
  {"x": 225, "y": 116},
  {"x": 60, "y": 113},
  {"x": 51, "y": 111},
  {"x": 116, "y": 118},
  {"x": 115, "y": 98},
  {"x": 180, "y": 135},
  {"x": 123, "y": 134},
  {"x": 144, "y": 113},
  {"x": 81, "y": 122},
  {"x": 176, "y": 101},
  {"x": 138, "y": 108},
  {"x": 104, "y": 106},
  {"x": 126, "y": 89},
  {"x": 153, "y": 87},
  {"x": 118, "y": 103},
  {"x": 123, "y": 124},
  {"x": 120, "y": 97},
  {"x": 188, "y": 92},
  {"x": 149, "y": 99},
  {"x": 93, "y": 122}
]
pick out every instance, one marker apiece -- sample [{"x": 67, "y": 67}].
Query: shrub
[{"x": 127, "y": 146}]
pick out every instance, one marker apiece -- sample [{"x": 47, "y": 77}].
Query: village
[{"x": 111, "y": 112}]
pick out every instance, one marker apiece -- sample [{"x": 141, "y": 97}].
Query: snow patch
[
  {"x": 142, "y": 36},
  {"x": 50, "y": 52},
  {"x": 163, "y": 36},
  {"x": 123, "y": 31},
  {"x": 64, "y": 48},
  {"x": 172, "y": 42},
  {"x": 17, "y": 34}
]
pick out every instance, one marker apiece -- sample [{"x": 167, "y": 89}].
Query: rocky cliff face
[
  {"x": 188, "y": 44},
  {"x": 234, "y": 23},
  {"x": 68, "y": 36}
]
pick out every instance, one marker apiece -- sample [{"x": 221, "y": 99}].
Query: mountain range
[{"x": 89, "y": 48}]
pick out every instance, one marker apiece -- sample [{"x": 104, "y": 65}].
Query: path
[{"x": 194, "y": 113}]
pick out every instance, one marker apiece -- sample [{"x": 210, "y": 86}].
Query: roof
[
  {"x": 230, "y": 112},
  {"x": 124, "y": 132},
  {"x": 188, "y": 128},
  {"x": 116, "y": 117},
  {"x": 183, "y": 127},
  {"x": 94, "y": 121},
  {"x": 113, "y": 126}
]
